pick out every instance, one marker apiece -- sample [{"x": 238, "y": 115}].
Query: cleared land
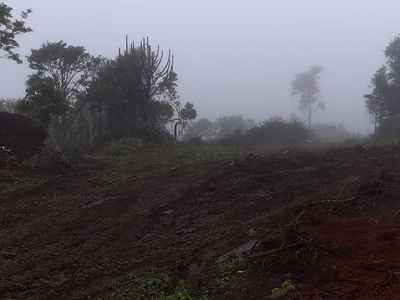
[{"x": 328, "y": 220}]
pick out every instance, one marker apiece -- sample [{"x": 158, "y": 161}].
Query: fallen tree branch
[{"x": 255, "y": 244}]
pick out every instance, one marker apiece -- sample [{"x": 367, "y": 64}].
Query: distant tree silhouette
[{"x": 306, "y": 85}]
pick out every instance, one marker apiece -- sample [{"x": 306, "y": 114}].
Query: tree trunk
[
  {"x": 309, "y": 113},
  {"x": 176, "y": 130}
]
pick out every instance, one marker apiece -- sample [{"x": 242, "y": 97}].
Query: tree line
[
  {"x": 137, "y": 79},
  {"x": 139, "y": 82}
]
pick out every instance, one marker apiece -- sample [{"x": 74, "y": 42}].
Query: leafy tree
[
  {"x": 185, "y": 114},
  {"x": 306, "y": 85},
  {"x": 203, "y": 128},
  {"x": 227, "y": 125},
  {"x": 9, "y": 29},
  {"x": 384, "y": 100},
  {"x": 174, "y": 113},
  {"x": 42, "y": 100},
  {"x": 146, "y": 86},
  {"x": 69, "y": 67},
  {"x": 379, "y": 101},
  {"x": 392, "y": 53},
  {"x": 141, "y": 77}
]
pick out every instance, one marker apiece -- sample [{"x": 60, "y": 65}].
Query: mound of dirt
[
  {"x": 27, "y": 140},
  {"x": 327, "y": 220}
]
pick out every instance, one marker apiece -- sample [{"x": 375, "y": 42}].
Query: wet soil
[{"x": 328, "y": 220}]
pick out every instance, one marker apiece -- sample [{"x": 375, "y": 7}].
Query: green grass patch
[
  {"x": 12, "y": 183},
  {"x": 173, "y": 153},
  {"x": 382, "y": 139},
  {"x": 161, "y": 287}
]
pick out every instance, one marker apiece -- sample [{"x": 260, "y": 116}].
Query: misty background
[{"x": 231, "y": 57}]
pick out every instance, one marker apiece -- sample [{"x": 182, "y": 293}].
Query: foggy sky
[{"x": 231, "y": 56}]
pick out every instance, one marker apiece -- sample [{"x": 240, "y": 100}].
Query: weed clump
[
  {"x": 229, "y": 273},
  {"x": 160, "y": 287}
]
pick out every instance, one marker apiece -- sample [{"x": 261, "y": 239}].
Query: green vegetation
[
  {"x": 285, "y": 288},
  {"x": 229, "y": 273},
  {"x": 9, "y": 29},
  {"x": 198, "y": 154},
  {"x": 382, "y": 139},
  {"x": 236, "y": 264},
  {"x": 12, "y": 182},
  {"x": 174, "y": 153},
  {"x": 64, "y": 68},
  {"x": 42, "y": 101},
  {"x": 161, "y": 287},
  {"x": 8, "y": 105},
  {"x": 382, "y": 103},
  {"x": 276, "y": 132},
  {"x": 137, "y": 89}
]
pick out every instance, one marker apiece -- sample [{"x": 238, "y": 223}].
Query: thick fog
[{"x": 231, "y": 56}]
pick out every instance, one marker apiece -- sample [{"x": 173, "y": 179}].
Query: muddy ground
[{"x": 328, "y": 220}]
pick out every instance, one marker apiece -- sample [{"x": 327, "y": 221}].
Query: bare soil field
[{"x": 328, "y": 220}]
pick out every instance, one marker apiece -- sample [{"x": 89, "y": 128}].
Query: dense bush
[{"x": 269, "y": 133}]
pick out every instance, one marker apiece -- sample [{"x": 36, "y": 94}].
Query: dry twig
[
  {"x": 386, "y": 282},
  {"x": 330, "y": 250},
  {"x": 336, "y": 201},
  {"x": 295, "y": 219}
]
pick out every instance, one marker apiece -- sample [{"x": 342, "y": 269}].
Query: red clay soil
[{"x": 327, "y": 220}]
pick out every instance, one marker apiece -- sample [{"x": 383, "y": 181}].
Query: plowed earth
[{"x": 328, "y": 220}]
